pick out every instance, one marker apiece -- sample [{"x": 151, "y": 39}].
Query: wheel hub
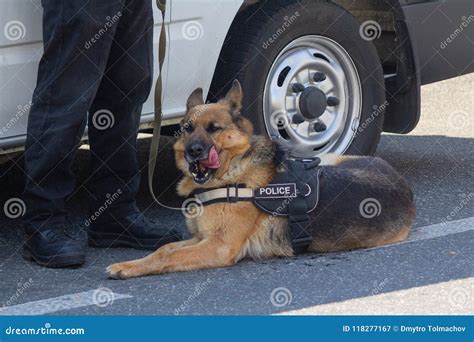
[
  {"x": 312, "y": 103},
  {"x": 313, "y": 97}
]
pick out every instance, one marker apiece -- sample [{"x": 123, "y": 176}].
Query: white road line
[
  {"x": 440, "y": 229},
  {"x": 454, "y": 297},
  {"x": 106, "y": 297},
  {"x": 100, "y": 297},
  {"x": 437, "y": 230}
]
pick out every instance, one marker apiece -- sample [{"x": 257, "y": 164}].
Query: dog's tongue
[{"x": 212, "y": 161}]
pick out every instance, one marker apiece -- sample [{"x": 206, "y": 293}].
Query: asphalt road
[{"x": 432, "y": 273}]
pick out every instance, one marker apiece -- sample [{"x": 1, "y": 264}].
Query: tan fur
[
  {"x": 332, "y": 159},
  {"x": 226, "y": 233},
  {"x": 351, "y": 243},
  {"x": 398, "y": 237}
]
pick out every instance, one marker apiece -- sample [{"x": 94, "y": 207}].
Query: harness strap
[
  {"x": 298, "y": 219},
  {"x": 230, "y": 194},
  {"x": 155, "y": 140}
]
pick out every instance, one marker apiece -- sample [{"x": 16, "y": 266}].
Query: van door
[{"x": 20, "y": 52}]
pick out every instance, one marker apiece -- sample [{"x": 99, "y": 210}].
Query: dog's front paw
[{"x": 124, "y": 270}]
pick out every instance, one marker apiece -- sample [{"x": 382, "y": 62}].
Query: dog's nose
[{"x": 195, "y": 150}]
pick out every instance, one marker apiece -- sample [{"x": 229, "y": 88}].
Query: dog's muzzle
[{"x": 202, "y": 162}]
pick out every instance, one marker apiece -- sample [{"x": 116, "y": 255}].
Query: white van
[{"x": 312, "y": 81}]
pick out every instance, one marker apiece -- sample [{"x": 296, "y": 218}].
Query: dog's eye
[
  {"x": 188, "y": 127},
  {"x": 213, "y": 127}
]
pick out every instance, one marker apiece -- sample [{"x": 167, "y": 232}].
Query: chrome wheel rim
[{"x": 313, "y": 79}]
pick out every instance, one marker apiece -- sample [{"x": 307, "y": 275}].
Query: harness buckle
[
  {"x": 232, "y": 199},
  {"x": 300, "y": 245}
]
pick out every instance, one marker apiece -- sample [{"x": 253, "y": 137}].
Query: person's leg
[
  {"x": 69, "y": 76},
  {"x": 115, "y": 219},
  {"x": 115, "y": 113}
]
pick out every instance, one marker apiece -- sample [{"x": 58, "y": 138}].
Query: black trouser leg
[
  {"x": 124, "y": 87},
  {"x": 69, "y": 77}
]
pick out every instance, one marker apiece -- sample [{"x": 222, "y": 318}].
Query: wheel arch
[{"x": 402, "y": 82}]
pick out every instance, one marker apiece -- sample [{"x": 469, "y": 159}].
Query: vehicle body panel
[
  {"x": 196, "y": 32},
  {"x": 442, "y": 36}
]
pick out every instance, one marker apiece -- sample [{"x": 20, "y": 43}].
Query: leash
[
  {"x": 155, "y": 140},
  {"x": 298, "y": 207}
]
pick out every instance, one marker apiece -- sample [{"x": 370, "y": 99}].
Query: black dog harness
[{"x": 293, "y": 193}]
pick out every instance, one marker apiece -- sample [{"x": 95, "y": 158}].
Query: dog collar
[
  {"x": 239, "y": 192},
  {"x": 229, "y": 194}
]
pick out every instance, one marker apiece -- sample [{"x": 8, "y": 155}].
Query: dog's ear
[
  {"x": 234, "y": 98},
  {"x": 195, "y": 99}
]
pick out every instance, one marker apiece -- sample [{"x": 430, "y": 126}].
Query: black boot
[
  {"x": 54, "y": 248},
  {"x": 134, "y": 231}
]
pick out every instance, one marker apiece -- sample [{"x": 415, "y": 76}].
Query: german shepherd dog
[{"x": 218, "y": 148}]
